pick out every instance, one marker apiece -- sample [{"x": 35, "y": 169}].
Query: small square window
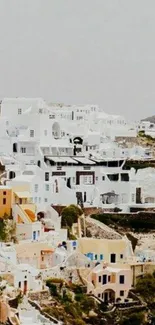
[
  {"x": 121, "y": 256},
  {"x": 95, "y": 256},
  {"x": 19, "y": 111},
  {"x": 103, "y": 178},
  {"x": 45, "y": 200},
  {"x": 4, "y": 193},
  {"x": 121, "y": 293}
]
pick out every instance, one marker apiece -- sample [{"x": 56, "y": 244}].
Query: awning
[
  {"x": 64, "y": 159},
  {"x": 84, "y": 160}
]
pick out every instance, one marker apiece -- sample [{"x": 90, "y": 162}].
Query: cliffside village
[{"x": 53, "y": 156}]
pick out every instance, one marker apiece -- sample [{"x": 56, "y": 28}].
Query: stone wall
[{"x": 40, "y": 295}]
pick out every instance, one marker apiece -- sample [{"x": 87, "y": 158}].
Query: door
[
  {"x": 106, "y": 297},
  {"x": 25, "y": 287},
  {"x": 138, "y": 195},
  {"x": 69, "y": 182},
  {"x": 113, "y": 258}
]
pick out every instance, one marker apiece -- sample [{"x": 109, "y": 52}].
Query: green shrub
[
  {"x": 71, "y": 310},
  {"x": 134, "y": 319},
  {"x": 146, "y": 287},
  {"x": 79, "y": 297},
  {"x": 87, "y": 303}
]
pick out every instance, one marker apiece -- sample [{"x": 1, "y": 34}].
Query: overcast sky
[{"x": 80, "y": 51}]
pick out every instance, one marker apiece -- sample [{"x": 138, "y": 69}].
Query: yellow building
[
  {"x": 5, "y": 201},
  {"x": 108, "y": 250}
]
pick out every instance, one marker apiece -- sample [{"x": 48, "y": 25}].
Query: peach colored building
[
  {"x": 39, "y": 255},
  {"x": 109, "y": 283}
]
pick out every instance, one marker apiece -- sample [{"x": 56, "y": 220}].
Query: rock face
[
  {"x": 100, "y": 231},
  {"x": 150, "y": 119}
]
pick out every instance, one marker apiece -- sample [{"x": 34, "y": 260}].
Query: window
[
  {"x": 42, "y": 258},
  {"x": 19, "y": 284},
  {"x": 104, "y": 279},
  {"x": 88, "y": 179},
  {"x": 45, "y": 199},
  {"x": 4, "y": 201},
  {"x": 121, "y": 279},
  {"x": 108, "y": 278},
  {"x": 46, "y": 176},
  {"x": 4, "y": 193},
  {"x": 121, "y": 293},
  {"x": 36, "y": 188},
  {"x": 101, "y": 256},
  {"x": 121, "y": 256},
  {"x": 133, "y": 197},
  {"x": 45, "y": 132},
  {"x": 23, "y": 150},
  {"x": 31, "y": 133},
  {"x": 96, "y": 178},
  {"x": 99, "y": 295},
  {"x": 47, "y": 187},
  {"x": 99, "y": 278},
  {"x": 40, "y": 110},
  {"x": 19, "y": 111},
  {"x": 103, "y": 178},
  {"x": 95, "y": 256}
]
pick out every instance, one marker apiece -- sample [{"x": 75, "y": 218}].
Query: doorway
[
  {"x": 113, "y": 258},
  {"x": 106, "y": 297},
  {"x": 25, "y": 287}
]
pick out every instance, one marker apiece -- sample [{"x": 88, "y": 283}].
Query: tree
[{"x": 70, "y": 215}]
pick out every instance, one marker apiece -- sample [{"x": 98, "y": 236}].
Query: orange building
[{"x": 5, "y": 201}]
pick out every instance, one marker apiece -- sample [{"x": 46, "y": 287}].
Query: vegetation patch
[
  {"x": 137, "y": 222},
  {"x": 70, "y": 215}
]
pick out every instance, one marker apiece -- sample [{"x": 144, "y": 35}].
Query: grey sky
[{"x": 80, "y": 51}]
